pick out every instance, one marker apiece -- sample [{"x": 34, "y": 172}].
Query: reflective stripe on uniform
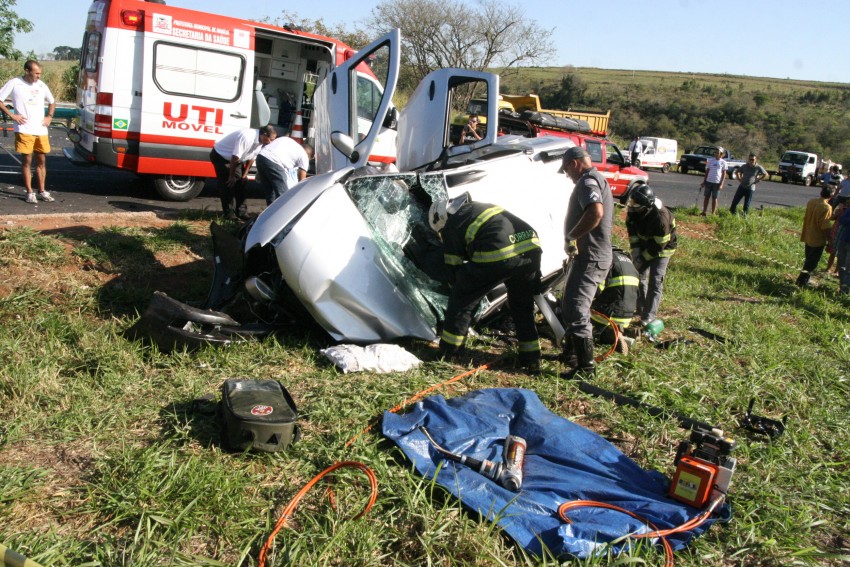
[
  {"x": 452, "y": 259},
  {"x": 450, "y": 338},
  {"x": 623, "y": 280},
  {"x": 622, "y": 321},
  {"x": 529, "y": 346},
  {"x": 473, "y": 228},
  {"x": 511, "y": 251}
]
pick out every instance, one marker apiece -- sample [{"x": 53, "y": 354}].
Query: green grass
[{"x": 106, "y": 457}]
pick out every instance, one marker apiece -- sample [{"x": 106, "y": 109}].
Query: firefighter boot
[
  {"x": 585, "y": 368},
  {"x": 568, "y": 353}
]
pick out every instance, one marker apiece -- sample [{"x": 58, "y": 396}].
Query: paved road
[
  {"x": 93, "y": 189},
  {"x": 682, "y": 190},
  {"x": 101, "y": 189}
]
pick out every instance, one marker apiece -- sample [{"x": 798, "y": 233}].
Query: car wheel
[
  {"x": 807, "y": 181},
  {"x": 665, "y": 168},
  {"x": 683, "y": 169},
  {"x": 732, "y": 173},
  {"x": 784, "y": 179},
  {"x": 636, "y": 163},
  {"x": 178, "y": 187}
]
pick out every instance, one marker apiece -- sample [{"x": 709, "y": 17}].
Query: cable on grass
[{"x": 662, "y": 534}]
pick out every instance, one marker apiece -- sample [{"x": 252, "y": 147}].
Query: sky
[{"x": 786, "y": 39}]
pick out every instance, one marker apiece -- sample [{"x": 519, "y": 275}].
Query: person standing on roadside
[
  {"x": 28, "y": 95},
  {"x": 816, "y": 227},
  {"x": 635, "y": 149},
  {"x": 232, "y": 157},
  {"x": 589, "y": 223},
  {"x": 843, "y": 194},
  {"x": 712, "y": 181},
  {"x": 749, "y": 175}
]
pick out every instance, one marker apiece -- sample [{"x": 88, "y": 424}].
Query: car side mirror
[
  {"x": 391, "y": 120},
  {"x": 345, "y": 145}
]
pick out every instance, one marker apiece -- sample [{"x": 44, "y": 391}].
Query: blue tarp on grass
[{"x": 564, "y": 462}]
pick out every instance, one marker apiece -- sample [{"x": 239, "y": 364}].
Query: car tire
[
  {"x": 683, "y": 169},
  {"x": 731, "y": 174},
  {"x": 807, "y": 181},
  {"x": 637, "y": 163},
  {"x": 180, "y": 188},
  {"x": 665, "y": 168},
  {"x": 784, "y": 179}
]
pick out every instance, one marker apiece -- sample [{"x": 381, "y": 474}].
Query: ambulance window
[
  {"x": 191, "y": 71},
  {"x": 91, "y": 44}
]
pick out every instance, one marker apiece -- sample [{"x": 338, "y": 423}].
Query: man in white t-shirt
[
  {"x": 281, "y": 165},
  {"x": 712, "y": 181},
  {"x": 29, "y": 95},
  {"x": 232, "y": 157},
  {"x": 635, "y": 149}
]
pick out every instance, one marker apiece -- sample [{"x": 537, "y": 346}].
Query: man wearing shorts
[
  {"x": 712, "y": 182},
  {"x": 29, "y": 95}
]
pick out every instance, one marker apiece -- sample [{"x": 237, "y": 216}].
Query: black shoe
[
  {"x": 230, "y": 215},
  {"x": 568, "y": 353},
  {"x": 580, "y": 374},
  {"x": 530, "y": 365},
  {"x": 586, "y": 367}
]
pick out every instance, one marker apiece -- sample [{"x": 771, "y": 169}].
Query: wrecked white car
[{"x": 343, "y": 248}]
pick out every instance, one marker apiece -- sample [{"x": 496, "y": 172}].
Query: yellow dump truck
[{"x": 530, "y": 103}]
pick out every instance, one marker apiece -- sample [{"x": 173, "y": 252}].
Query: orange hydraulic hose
[
  {"x": 668, "y": 549},
  {"x": 373, "y": 481}
]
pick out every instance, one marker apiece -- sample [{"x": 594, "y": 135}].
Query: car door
[
  {"x": 198, "y": 85},
  {"x": 345, "y": 103}
]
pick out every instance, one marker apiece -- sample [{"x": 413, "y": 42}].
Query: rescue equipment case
[{"x": 258, "y": 414}]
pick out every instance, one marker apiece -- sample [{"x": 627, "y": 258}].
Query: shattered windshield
[
  {"x": 795, "y": 158},
  {"x": 395, "y": 207}
]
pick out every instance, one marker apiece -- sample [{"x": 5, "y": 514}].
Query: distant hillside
[{"x": 746, "y": 114}]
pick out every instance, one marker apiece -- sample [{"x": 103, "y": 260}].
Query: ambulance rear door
[{"x": 198, "y": 86}]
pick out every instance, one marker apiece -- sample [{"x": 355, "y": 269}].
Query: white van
[
  {"x": 658, "y": 153},
  {"x": 159, "y": 84}
]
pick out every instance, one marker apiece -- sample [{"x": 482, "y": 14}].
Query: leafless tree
[{"x": 478, "y": 36}]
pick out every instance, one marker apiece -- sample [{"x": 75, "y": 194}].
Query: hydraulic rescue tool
[
  {"x": 508, "y": 473},
  {"x": 704, "y": 468}
]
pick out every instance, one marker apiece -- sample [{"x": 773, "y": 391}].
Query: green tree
[
  {"x": 480, "y": 36},
  {"x": 10, "y": 24},
  {"x": 66, "y": 53}
]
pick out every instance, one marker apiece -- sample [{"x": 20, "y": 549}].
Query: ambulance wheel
[
  {"x": 178, "y": 187},
  {"x": 665, "y": 168}
]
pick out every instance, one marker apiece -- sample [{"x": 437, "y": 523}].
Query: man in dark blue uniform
[
  {"x": 590, "y": 218},
  {"x": 484, "y": 246}
]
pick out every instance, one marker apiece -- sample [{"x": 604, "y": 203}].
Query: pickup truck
[{"x": 696, "y": 160}]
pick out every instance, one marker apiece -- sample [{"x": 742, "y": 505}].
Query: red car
[{"x": 604, "y": 153}]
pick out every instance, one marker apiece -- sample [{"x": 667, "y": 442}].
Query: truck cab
[{"x": 799, "y": 167}]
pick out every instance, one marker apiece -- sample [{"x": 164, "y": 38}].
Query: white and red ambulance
[{"x": 159, "y": 84}]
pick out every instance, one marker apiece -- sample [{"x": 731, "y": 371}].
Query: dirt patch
[{"x": 95, "y": 221}]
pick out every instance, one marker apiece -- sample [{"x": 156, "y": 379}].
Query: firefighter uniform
[
  {"x": 484, "y": 246},
  {"x": 616, "y": 298},
  {"x": 652, "y": 236}
]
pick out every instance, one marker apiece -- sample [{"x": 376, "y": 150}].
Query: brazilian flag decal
[{"x": 120, "y": 124}]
